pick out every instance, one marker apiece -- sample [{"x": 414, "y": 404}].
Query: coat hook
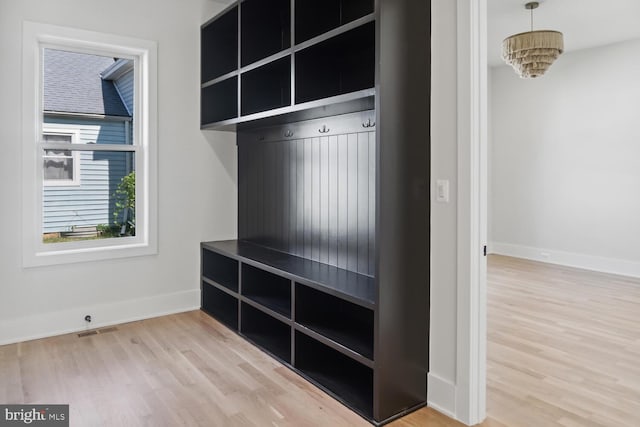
[
  {"x": 261, "y": 138},
  {"x": 288, "y": 134},
  {"x": 369, "y": 124},
  {"x": 324, "y": 129}
]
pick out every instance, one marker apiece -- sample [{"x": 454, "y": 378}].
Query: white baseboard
[
  {"x": 588, "y": 262},
  {"x": 441, "y": 395},
  {"x": 69, "y": 321}
]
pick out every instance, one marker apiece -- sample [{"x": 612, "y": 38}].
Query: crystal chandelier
[{"x": 532, "y": 53}]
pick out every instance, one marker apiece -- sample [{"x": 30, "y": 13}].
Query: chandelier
[{"x": 532, "y": 53}]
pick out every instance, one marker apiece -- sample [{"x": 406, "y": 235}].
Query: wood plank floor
[
  {"x": 563, "y": 350},
  {"x": 563, "y": 346}
]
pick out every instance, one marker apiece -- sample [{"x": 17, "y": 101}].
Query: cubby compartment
[
  {"x": 221, "y": 305},
  {"x": 347, "y": 379},
  {"x": 219, "y": 101},
  {"x": 340, "y": 65},
  {"x": 220, "y": 269},
  {"x": 346, "y": 323},
  {"x": 267, "y": 289},
  {"x": 219, "y": 46},
  {"x": 314, "y": 17},
  {"x": 265, "y": 29},
  {"x": 268, "y": 333},
  {"x": 267, "y": 87}
]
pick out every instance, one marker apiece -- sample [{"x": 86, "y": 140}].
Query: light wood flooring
[
  {"x": 563, "y": 346},
  {"x": 563, "y": 350}
]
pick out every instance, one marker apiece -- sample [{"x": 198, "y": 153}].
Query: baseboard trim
[
  {"x": 441, "y": 395},
  {"x": 569, "y": 259},
  {"x": 70, "y": 321}
]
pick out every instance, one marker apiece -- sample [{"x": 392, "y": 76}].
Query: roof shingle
[{"x": 72, "y": 84}]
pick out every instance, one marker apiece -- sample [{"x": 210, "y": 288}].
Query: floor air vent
[{"x": 97, "y": 331}]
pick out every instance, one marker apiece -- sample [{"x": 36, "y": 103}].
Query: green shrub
[{"x": 125, "y": 200}]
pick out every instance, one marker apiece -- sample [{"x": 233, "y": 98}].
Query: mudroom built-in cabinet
[{"x": 329, "y": 274}]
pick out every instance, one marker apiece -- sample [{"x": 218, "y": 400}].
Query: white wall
[
  {"x": 197, "y": 178},
  {"x": 565, "y": 156},
  {"x": 197, "y": 185},
  {"x": 442, "y": 365}
]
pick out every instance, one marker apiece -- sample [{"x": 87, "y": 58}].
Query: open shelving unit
[
  {"x": 343, "y": 322},
  {"x": 336, "y": 66},
  {"x": 266, "y": 332},
  {"x": 264, "y": 71},
  {"x": 265, "y": 29},
  {"x": 345, "y": 378},
  {"x": 267, "y": 87},
  {"x": 329, "y": 273},
  {"x": 314, "y": 18},
  {"x": 267, "y": 289},
  {"x": 220, "y": 304}
]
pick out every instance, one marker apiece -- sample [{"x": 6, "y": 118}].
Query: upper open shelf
[
  {"x": 315, "y": 17},
  {"x": 219, "y": 46},
  {"x": 252, "y": 69},
  {"x": 265, "y": 29}
]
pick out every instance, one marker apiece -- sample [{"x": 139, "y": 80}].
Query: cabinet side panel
[{"x": 402, "y": 237}]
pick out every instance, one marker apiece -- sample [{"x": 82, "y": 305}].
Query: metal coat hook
[
  {"x": 288, "y": 134},
  {"x": 261, "y": 138},
  {"x": 369, "y": 124},
  {"x": 324, "y": 129}
]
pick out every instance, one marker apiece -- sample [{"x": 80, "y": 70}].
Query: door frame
[{"x": 472, "y": 105}]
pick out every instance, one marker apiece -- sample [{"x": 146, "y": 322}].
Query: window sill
[{"x": 75, "y": 252}]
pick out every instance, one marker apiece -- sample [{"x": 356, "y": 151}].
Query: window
[
  {"x": 61, "y": 167},
  {"x": 89, "y": 159}
]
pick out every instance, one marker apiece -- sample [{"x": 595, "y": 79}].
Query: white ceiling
[{"x": 585, "y": 23}]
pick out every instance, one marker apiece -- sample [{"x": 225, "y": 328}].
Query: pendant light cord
[{"x": 531, "y": 19}]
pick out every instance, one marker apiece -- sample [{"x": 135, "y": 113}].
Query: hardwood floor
[
  {"x": 563, "y": 346},
  {"x": 563, "y": 350}
]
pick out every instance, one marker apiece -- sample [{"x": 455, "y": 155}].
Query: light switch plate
[{"x": 442, "y": 190}]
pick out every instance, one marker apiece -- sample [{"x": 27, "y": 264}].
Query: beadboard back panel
[{"x": 314, "y": 196}]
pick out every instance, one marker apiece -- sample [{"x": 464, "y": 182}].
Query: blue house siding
[
  {"x": 89, "y": 203},
  {"x": 124, "y": 85}
]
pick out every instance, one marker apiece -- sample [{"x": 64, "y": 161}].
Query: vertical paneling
[
  {"x": 300, "y": 199},
  {"x": 342, "y": 201},
  {"x": 323, "y": 206},
  {"x": 333, "y": 200},
  {"x": 311, "y": 197},
  {"x": 372, "y": 201},
  {"x": 307, "y": 215},
  {"x": 352, "y": 202},
  {"x": 316, "y": 165},
  {"x": 363, "y": 202}
]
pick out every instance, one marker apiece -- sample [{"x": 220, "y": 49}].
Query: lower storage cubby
[
  {"x": 344, "y": 322},
  {"x": 220, "y": 305},
  {"x": 266, "y": 332},
  {"x": 221, "y": 269},
  {"x": 267, "y": 289},
  {"x": 347, "y": 379}
]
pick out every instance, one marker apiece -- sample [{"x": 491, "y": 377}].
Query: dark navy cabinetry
[{"x": 330, "y": 102}]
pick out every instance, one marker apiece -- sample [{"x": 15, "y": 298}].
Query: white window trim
[
  {"x": 75, "y": 139},
  {"x": 36, "y": 37}
]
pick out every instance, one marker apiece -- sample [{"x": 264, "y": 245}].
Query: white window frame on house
[
  {"x": 36, "y": 38},
  {"x": 75, "y": 155}
]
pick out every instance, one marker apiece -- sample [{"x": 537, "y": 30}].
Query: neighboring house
[{"x": 88, "y": 99}]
